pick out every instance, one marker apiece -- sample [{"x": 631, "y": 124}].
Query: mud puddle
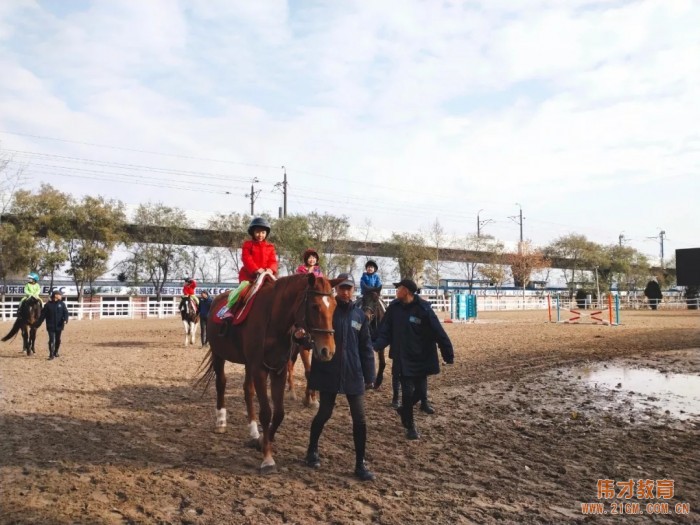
[{"x": 648, "y": 385}]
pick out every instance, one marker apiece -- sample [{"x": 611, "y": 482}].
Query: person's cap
[
  {"x": 408, "y": 284},
  {"x": 348, "y": 279},
  {"x": 55, "y": 293}
]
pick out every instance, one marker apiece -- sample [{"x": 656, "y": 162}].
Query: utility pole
[
  {"x": 661, "y": 236},
  {"x": 253, "y": 195},
  {"x": 622, "y": 238},
  {"x": 283, "y": 185},
  {"x": 480, "y": 223},
  {"x": 519, "y": 220}
]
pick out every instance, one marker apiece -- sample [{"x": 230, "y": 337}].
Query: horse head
[{"x": 315, "y": 315}]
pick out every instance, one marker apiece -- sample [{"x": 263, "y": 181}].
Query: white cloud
[{"x": 408, "y": 110}]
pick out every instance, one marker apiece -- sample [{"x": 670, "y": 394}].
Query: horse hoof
[
  {"x": 254, "y": 443},
  {"x": 268, "y": 469},
  {"x": 219, "y": 430}
]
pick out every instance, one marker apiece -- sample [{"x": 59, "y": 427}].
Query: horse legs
[
  {"x": 25, "y": 341},
  {"x": 249, "y": 396},
  {"x": 277, "y": 380},
  {"x": 260, "y": 381},
  {"x": 310, "y": 399},
  {"x": 187, "y": 329},
  {"x": 290, "y": 377},
  {"x": 380, "y": 370},
  {"x": 218, "y": 365},
  {"x": 32, "y": 339},
  {"x": 193, "y": 332}
]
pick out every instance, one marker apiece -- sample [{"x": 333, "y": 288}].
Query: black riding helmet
[
  {"x": 259, "y": 222},
  {"x": 371, "y": 263}
]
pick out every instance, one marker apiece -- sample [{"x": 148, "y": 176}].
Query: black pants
[
  {"x": 54, "y": 341},
  {"x": 359, "y": 425},
  {"x": 396, "y": 388},
  {"x": 204, "y": 336},
  {"x": 413, "y": 389}
]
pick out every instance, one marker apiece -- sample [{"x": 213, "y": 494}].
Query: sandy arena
[{"x": 113, "y": 433}]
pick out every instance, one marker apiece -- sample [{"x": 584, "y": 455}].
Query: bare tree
[
  {"x": 229, "y": 231},
  {"x": 159, "y": 252},
  {"x": 490, "y": 251},
  {"x": 410, "y": 253},
  {"x": 436, "y": 240}
]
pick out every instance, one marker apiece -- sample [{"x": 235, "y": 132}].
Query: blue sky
[{"x": 400, "y": 112}]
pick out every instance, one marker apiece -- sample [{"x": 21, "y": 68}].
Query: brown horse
[
  {"x": 310, "y": 396},
  {"x": 373, "y": 307},
  {"x": 29, "y": 313},
  {"x": 262, "y": 344}
]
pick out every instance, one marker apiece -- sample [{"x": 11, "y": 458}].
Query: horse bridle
[{"x": 305, "y": 306}]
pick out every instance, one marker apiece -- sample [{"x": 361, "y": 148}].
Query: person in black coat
[
  {"x": 413, "y": 330},
  {"x": 204, "y": 309},
  {"x": 349, "y": 372},
  {"x": 56, "y": 315}
]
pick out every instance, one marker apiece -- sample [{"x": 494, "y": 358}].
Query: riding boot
[
  {"x": 224, "y": 327},
  {"x": 55, "y": 353},
  {"x": 396, "y": 389},
  {"x": 359, "y": 436},
  {"x": 313, "y": 459},
  {"x": 362, "y": 472},
  {"x": 52, "y": 352}
]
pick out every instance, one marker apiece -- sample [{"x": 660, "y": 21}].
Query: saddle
[{"x": 239, "y": 311}]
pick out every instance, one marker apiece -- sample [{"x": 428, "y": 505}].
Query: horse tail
[
  {"x": 13, "y": 332},
  {"x": 206, "y": 368}
]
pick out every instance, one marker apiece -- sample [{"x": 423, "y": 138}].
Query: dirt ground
[{"x": 112, "y": 432}]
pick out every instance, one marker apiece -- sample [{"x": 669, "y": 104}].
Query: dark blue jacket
[
  {"x": 414, "y": 332},
  {"x": 205, "y": 307},
  {"x": 56, "y": 315},
  {"x": 369, "y": 280},
  {"x": 352, "y": 365}
]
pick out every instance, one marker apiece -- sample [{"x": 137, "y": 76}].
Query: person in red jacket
[
  {"x": 257, "y": 254},
  {"x": 189, "y": 291}
]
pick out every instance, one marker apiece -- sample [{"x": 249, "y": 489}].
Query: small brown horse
[
  {"x": 310, "y": 396},
  {"x": 262, "y": 344},
  {"x": 373, "y": 307},
  {"x": 29, "y": 313}
]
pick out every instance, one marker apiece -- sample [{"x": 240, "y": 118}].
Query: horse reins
[{"x": 305, "y": 306}]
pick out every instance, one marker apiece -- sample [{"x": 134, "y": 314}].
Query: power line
[
  {"x": 134, "y": 150},
  {"x": 206, "y": 174}
]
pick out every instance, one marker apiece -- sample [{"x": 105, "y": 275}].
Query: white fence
[
  {"x": 107, "y": 308},
  {"x": 139, "y": 307}
]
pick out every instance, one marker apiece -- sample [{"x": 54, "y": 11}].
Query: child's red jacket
[{"x": 256, "y": 255}]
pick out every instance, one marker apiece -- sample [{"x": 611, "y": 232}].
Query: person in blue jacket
[
  {"x": 370, "y": 278},
  {"x": 55, "y": 313},
  {"x": 349, "y": 372},
  {"x": 204, "y": 309},
  {"x": 414, "y": 332}
]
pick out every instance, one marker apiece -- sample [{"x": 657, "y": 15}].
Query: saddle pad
[{"x": 245, "y": 303}]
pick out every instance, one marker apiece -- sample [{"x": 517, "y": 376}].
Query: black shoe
[
  {"x": 362, "y": 473},
  {"x": 312, "y": 459},
  {"x": 412, "y": 433},
  {"x": 50, "y": 357},
  {"x": 427, "y": 408},
  {"x": 56, "y": 355}
]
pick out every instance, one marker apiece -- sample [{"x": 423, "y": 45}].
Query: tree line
[{"x": 47, "y": 230}]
